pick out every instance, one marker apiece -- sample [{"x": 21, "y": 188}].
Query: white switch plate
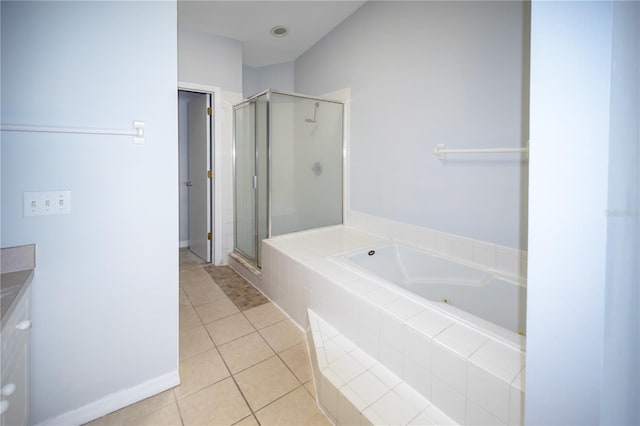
[{"x": 47, "y": 203}]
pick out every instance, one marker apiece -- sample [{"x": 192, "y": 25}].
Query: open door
[{"x": 200, "y": 178}]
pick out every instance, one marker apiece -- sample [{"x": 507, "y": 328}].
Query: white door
[{"x": 200, "y": 184}]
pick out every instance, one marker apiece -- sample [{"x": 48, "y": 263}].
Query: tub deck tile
[{"x": 377, "y": 394}]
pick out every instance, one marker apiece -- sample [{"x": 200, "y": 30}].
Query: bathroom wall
[
  {"x": 96, "y": 344},
  {"x": 621, "y": 382},
  {"x": 209, "y": 59},
  {"x": 276, "y": 77},
  {"x": 424, "y": 73},
  {"x": 582, "y": 307}
]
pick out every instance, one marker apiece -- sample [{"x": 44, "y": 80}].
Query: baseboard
[
  {"x": 115, "y": 401},
  {"x": 184, "y": 244}
]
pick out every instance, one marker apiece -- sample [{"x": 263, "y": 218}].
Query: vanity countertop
[{"x": 18, "y": 264}]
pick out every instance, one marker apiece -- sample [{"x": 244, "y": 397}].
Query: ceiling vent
[{"x": 279, "y": 31}]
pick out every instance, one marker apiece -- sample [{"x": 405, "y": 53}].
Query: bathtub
[
  {"x": 467, "y": 292},
  {"x": 464, "y": 365}
]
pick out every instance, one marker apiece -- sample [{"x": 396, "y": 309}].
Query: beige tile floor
[{"x": 237, "y": 367}]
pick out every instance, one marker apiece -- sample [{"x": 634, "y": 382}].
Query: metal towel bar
[
  {"x": 440, "y": 152},
  {"x": 137, "y": 130}
]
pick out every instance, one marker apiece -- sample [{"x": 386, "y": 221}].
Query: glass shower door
[
  {"x": 306, "y": 163},
  {"x": 245, "y": 180}
]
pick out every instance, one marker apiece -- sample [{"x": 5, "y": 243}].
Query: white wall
[
  {"x": 210, "y": 60},
  {"x": 582, "y": 323},
  {"x": 276, "y": 77},
  {"x": 105, "y": 306},
  {"x": 423, "y": 73},
  {"x": 621, "y": 375}
]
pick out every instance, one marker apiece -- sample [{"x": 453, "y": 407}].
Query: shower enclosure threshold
[{"x": 246, "y": 269}]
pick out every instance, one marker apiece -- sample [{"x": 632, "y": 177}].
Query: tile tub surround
[
  {"x": 505, "y": 260},
  {"x": 354, "y": 389},
  {"x": 466, "y": 373},
  {"x": 17, "y": 269}
]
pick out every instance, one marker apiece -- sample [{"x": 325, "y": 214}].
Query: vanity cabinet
[{"x": 14, "y": 388}]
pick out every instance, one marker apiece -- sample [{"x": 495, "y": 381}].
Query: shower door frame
[{"x": 253, "y": 100}]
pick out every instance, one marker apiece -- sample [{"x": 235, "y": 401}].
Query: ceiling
[{"x": 251, "y": 22}]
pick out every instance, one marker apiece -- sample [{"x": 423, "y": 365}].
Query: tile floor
[{"x": 242, "y": 361}]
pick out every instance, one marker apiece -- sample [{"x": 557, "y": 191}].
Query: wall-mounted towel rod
[
  {"x": 440, "y": 152},
  {"x": 137, "y": 131}
]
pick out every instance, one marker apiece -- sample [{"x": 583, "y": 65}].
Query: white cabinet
[{"x": 14, "y": 386}]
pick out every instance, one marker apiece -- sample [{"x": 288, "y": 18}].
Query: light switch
[{"x": 47, "y": 203}]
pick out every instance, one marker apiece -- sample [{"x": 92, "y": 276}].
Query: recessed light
[{"x": 279, "y": 31}]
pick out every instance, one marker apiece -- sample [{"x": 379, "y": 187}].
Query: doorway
[{"x": 195, "y": 146}]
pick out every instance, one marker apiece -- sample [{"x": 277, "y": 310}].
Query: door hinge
[
  {"x": 210, "y": 236},
  {"x": 209, "y": 111},
  {"x": 210, "y": 174}
]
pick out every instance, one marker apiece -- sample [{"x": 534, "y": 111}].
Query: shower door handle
[{"x": 255, "y": 182}]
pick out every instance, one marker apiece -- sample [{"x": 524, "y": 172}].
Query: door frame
[{"x": 215, "y": 139}]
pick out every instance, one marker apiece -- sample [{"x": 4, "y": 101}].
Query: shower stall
[{"x": 288, "y": 167}]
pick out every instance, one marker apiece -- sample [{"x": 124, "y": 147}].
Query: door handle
[{"x": 189, "y": 183}]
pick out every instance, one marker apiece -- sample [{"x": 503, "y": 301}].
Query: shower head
[{"x": 315, "y": 112}]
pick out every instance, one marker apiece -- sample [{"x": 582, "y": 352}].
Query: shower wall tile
[
  {"x": 518, "y": 382},
  {"x": 426, "y": 239},
  {"x": 484, "y": 254},
  {"x": 488, "y": 392},
  {"x": 382, "y": 297},
  {"x": 508, "y": 261},
  {"x": 369, "y": 341},
  {"x": 478, "y": 416},
  {"x": 524, "y": 266},
  {"x": 449, "y": 367},
  {"x": 461, "y": 339},
  {"x": 450, "y": 401},
  {"x": 404, "y": 309},
  {"x": 516, "y": 407},
  {"x": 409, "y": 395},
  {"x": 500, "y": 360},
  {"x": 369, "y": 316},
  {"x": 462, "y": 248},
  {"x": 416, "y": 347},
  {"x": 391, "y": 331},
  {"x": 429, "y": 323},
  {"x": 444, "y": 243},
  {"x": 403, "y": 233},
  {"x": 417, "y": 376},
  {"x": 348, "y": 414},
  {"x": 391, "y": 357}
]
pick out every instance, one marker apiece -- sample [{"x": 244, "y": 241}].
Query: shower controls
[{"x": 317, "y": 168}]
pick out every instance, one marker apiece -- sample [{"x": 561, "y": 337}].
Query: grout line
[
  {"x": 178, "y": 406},
  {"x": 253, "y": 365},
  {"x": 232, "y": 375},
  {"x": 255, "y": 330},
  {"x": 245, "y": 418},
  {"x": 281, "y": 359}
]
